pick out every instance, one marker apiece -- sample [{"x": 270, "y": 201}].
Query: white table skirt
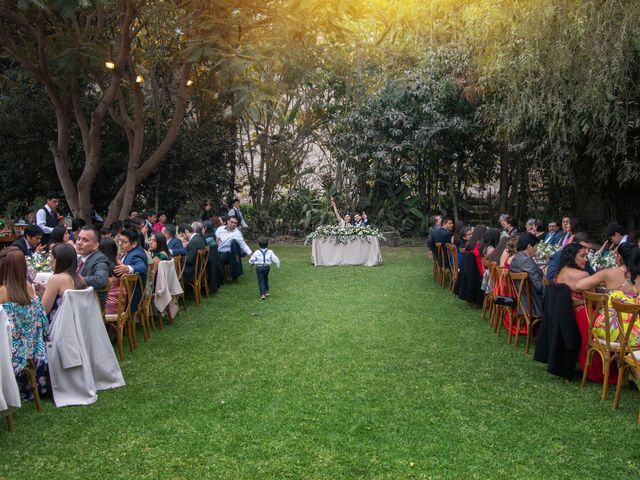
[{"x": 359, "y": 251}]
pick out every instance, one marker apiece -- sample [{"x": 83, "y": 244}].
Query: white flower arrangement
[
  {"x": 600, "y": 261},
  {"x": 344, "y": 234},
  {"x": 39, "y": 263},
  {"x": 546, "y": 250}
]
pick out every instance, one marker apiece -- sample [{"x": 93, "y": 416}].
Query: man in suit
[
  {"x": 553, "y": 235},
  {"x": 192, "y": 234},
  {"x": 30, "y": 242},
  {"x": 47, "y": 216},
  {"x": 134, "y": 262},
  {"x": 441, "y": 234},
  {"x": 174, "y": 244},
  {"x": 93, "y": 265},
  {"x": 523, "y": 262}
]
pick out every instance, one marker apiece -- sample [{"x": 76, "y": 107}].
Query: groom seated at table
[{"x": 231, "y": 246}]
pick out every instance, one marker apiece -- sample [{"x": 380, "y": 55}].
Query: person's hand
[
  {"x": 40, "y": 248},
  {"x": 121, "y": 269},
  {"x": 145, "y": 229},
  {"x": 40, "y": 287},
  {"x": 364, "y": 215}
]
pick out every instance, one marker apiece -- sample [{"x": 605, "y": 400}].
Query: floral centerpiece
[
  {"x": 600, "y": 261},
  {"x": 38, "y": 263},
  {"x": 546, "y": 250},
  {"x": 344, "y": 234}
]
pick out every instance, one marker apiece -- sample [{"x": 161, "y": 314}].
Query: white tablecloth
[{"x": 360, "y": 251}]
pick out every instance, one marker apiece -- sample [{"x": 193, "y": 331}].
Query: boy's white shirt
[{"x": 269, "y": 257}]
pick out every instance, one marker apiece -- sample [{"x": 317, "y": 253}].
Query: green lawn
[{"x": 343, "y": 373}]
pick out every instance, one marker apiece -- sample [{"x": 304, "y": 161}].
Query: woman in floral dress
[{"x": 28, "y": 319}]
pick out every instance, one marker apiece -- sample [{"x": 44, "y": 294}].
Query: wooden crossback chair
[
  {"x": 454, "y": 266},
  {"x": 145, "y": 307},
  {"x": 630, "y": 355},
  {"x": 442, "y": 263},
  {"x": 105, "y": 290},
  {"x": 487, "y": 303},
  {"x": 123, "y": 318},
  {"x": 178, "y": 263},
  {"x": 205, "y": 277},
  {"x": 200, "y": 267},
  {"x": 523, "y": 313},
  {"x": 594, "y": 304},
  {"x": 503, "y": 286},
  {"x": 436, "y": 269}
]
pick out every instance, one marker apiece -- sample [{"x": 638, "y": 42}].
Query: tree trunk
[{"x": 505, "y": 164}]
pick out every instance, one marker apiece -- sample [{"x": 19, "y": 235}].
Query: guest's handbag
[{"x": 505, "y": 301}]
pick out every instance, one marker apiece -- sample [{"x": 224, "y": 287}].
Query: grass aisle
[{"x": 342, "y": 373}]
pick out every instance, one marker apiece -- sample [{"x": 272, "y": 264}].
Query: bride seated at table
[
  {"x": 64, "y": 264},
  {"x": 342, "y": 221}
]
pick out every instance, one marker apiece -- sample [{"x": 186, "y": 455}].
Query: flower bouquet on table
[
  {"x": 600, "y": 261},
  {"x": 37, "y": 263},
  {"x": 344, "y": 234},
  {"x": 546, "y": 250}
]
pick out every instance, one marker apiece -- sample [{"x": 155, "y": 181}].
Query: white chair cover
[
  {"x": 167, "y": 288},
  {"x": 9, "y": 393},
  {"x": 81, "y": 358}
]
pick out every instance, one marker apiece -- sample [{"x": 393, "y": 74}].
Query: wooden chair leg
[
  {"x": 529, "y": 335},
  {"x": 30, "y": 371},
  {"x": 606, "y": 366},
  {"x": 10, "y": 423},
  {"x": 616, "y": 399},
  {"x": 120, "y": 340},
  {"x": 587, "y": 362},
  {"x": 518, "y": 327},
  {"x": 131, "y": 332}
]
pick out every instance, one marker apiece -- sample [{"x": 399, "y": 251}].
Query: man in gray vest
[{"x": 47, "y": 216}]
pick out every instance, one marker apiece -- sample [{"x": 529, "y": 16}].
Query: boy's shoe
[
  {"x": 262, "y": 297},
  {"x": 266, "y": 294}
]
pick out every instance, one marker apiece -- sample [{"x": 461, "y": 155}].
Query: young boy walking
[{"x": 262, "y": 259}]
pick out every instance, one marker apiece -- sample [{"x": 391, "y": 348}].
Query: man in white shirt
[
  {"x": 230, "y": 233},
  {"x": 47, "y": 216}
]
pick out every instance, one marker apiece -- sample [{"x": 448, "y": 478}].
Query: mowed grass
[{"x": 347, "y": 372}]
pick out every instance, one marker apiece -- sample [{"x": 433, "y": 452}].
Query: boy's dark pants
[{"x": 263, "y": 278}]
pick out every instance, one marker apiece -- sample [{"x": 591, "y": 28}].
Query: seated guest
[
  {"x": 343, "y": 221},
  {"x": 442, "y": 234},
  {"x": 435, "y": 221},
  {"x": 93, "y": 266},
  {"x": 229, "y": 234},
  {"x": 159, "y": 249},
  {"x": 489, "y": 242},
  {"x": 59, "y": 234},
  {"x": 30, "y": 325},
  {"x": 174, "y": 244},
  {"x": 31, "y": 241},
  {"x": 553, "y": 234},
  {"x": 616, "y": 235},
  {"x": 64, "y": 264},
  {"x": 360, "y": 219},
  {"x": 570, "y": 271},
  {"x": 523, "y": 262},
  {"x": 499, "y": 250},
  {"x": 109, "y": 248},
  {"x": 474, "y": 244},
  {"x": 554, "y": 260},
  {"x": 195, "y": 242},
  {"x": 535, "y": 227},
  {"x": 76, "y": 226},
  {"x": 162, "y": 220},
  {"x": 509, "y": 252},
  {"x": 134, "y": 261},
  {"x": 508, "y": 224},
  {"x": 570, "y": 225},
  {"x": 209, "y": 233}
]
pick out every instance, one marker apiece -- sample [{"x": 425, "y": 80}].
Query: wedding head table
[{"x": 359, "y": 251}]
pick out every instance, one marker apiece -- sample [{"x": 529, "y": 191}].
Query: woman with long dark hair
[
  {"x": 109, "y": 248},
  {"x": 28, "y": 318},
  {"x": 473, "y": 245},
  {"x": 64, "y": 263}
]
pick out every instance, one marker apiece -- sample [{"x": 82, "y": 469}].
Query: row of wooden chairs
[{"x": 503, "y": 282}]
